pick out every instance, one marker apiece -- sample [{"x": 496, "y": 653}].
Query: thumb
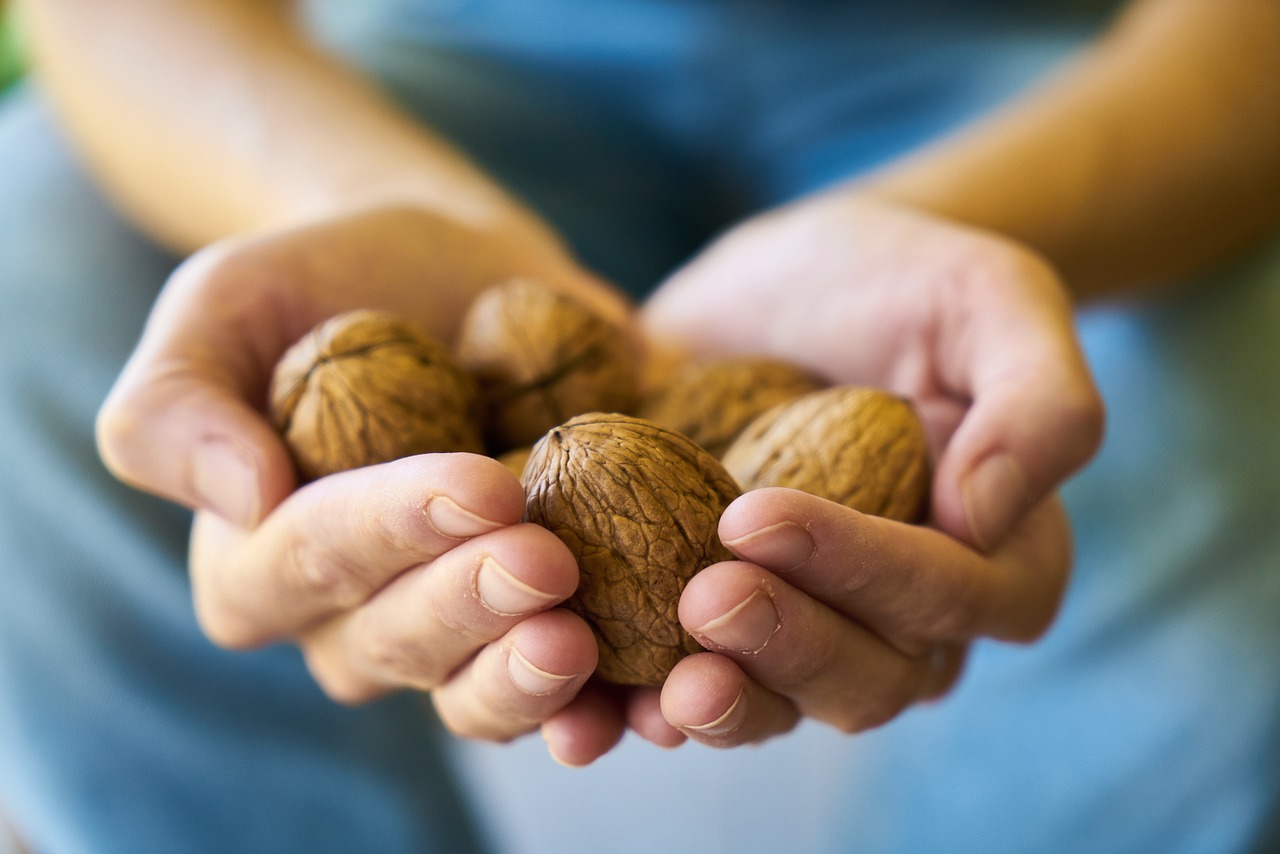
[
  {"x": 1035, "y": 417},
  {"x": 184, "y": 421}
]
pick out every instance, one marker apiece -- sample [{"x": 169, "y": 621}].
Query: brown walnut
[
  {"x": 638, "y": 505},
  {"x": 712, "y": 402},
  {"x": 367, "y": 387},
  {"x": 540, "y": 358},
  {"x": 860, "y": 447}
]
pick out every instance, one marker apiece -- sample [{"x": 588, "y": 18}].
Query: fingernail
[
  {"x": 503, "y": 593},
  {"x": 726, "y": 723},
  {"x": 225, "y": 476},
  {"x": 781, "y": 547},
  {"x": 531, "y": 679},
  {"x": 455, "y": 522},
  {"x": 747, "y": 627},
  {"x": 994, "y": 494}
]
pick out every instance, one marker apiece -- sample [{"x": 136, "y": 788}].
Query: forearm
[
  {"x": 206, "y": 118},
  {"x": 1155, "y": 154}
]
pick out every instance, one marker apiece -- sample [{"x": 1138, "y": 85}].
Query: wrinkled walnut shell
[
  {"x": 638, "y": 505},
  {"x": 540, "y": 358},
  {"x": 712, "y": 402},
  {"x": 856, "y": 446},
  {"x": 366, "y": 387}
]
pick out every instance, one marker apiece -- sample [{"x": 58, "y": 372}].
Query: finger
[
  {"x": 912, "y": 584},
  {"x": 419, "y": 629},
  {"x": 587, "y": 728},
  {"x": 946, "y": 666},
  {"x": 335, "y": 542},
  {"x": 1036, "y": 415},
  {"x": 830, "y": 667},
  {"x": 709, "y": 698},
  {"x": 645, "y": 718},
  {"x": 514, "y": 685},
  {"x": 183, "y": 420}
]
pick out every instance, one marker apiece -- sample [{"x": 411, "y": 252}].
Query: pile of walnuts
[{"x": 633, "y": 482}]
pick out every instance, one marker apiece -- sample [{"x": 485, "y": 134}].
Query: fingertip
[
  {"x": 586, "y": 729},
  {"x": 758, "y": 508},
  {"x": 469, "y": 494},
  {"x": 645, "y": 719},
  {"x": 993, "y": 494},
  {"x": 705, "y": 697}
]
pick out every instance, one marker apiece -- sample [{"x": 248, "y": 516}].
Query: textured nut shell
[
  {"x": 638, "y": 505},
  {"x": 712, "y": 402},
  {"x": 365, "y": 387},
  {"x": 857, "y": 446},
  {"x": 540, "y": 358}
]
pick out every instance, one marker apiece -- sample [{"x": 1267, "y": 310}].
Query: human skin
[{"x": 984, "y": 342}]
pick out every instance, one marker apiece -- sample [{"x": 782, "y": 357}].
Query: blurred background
[{"x": 10, "y": 64}]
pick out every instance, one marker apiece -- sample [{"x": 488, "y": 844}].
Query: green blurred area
[{"x": 10, "y": 54}]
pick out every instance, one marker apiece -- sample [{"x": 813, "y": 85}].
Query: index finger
[
  {"x": 912, "y": 585},
  {"x": 334, "y": 543}
]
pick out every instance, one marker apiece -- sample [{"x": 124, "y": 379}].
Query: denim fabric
[{"x": 121, "y": 728}]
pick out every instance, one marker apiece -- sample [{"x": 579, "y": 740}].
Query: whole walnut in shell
[
  {"x": 540, "y": 358},
  {"x": 712, "y": 402},
  {"x": 859, "y": 447},
  {"x": 638, "y": 505},
  {"x": 367, "y": 387}
]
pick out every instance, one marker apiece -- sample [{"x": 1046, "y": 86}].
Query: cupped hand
[
  {"x": 848, "y": 618},
  {"x": 415, "y": 573},
  {"x": 843, "y": 617},
  {"x": 976, "y": 330}
]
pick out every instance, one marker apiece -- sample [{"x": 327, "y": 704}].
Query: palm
[{"x": 865, "y": 293}]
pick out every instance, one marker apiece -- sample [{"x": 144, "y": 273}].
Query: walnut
[
  {"x": 638, "y": 505},
  {"x": 540, "y": 358},
  {"x": 860, "y": 447},
  {"x": 712, "y": 402},
  {"x": 366, "y": 387}
]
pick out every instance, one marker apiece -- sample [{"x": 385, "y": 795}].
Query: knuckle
[
  {"x": 959, "y": 615},
  {"x": 393, "y": 533},
  {"x": 405, "y": 659},
  {"x": 224, "y": 627},
  {"x": 1034, "y": 625},
  {"x": 338, "y": 683},
  {"x": 347, "y": 691},
  {"x": 877, "y": 707},
  {"x": 1083, "y": 416},
  {"x": 320, "y": 572},
  {"x": 472, "y": 726},
  {"x": 819, "y": 655},
  {"x": 114, "y": 431}
]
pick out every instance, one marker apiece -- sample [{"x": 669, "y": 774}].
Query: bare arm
[
  {"x": 211, "y": 117},
  {"x": 1154, "y": 155}
]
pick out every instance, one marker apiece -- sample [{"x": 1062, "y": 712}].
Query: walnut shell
[
  {"x": 860, "y": 447},
  {"x": 712, "y": 402},
  {"x": 540, "y": 358},
  {"x": 638, "y": 505},
  {"x": 366, "y": 387}
]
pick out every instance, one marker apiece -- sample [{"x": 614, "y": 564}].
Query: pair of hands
[{"x": 419, "y": 574}]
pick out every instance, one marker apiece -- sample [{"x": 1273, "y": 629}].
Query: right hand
[{"x": 415, "y": 573}]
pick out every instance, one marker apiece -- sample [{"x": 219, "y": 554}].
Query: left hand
[{"x": 834, "y": 614}]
